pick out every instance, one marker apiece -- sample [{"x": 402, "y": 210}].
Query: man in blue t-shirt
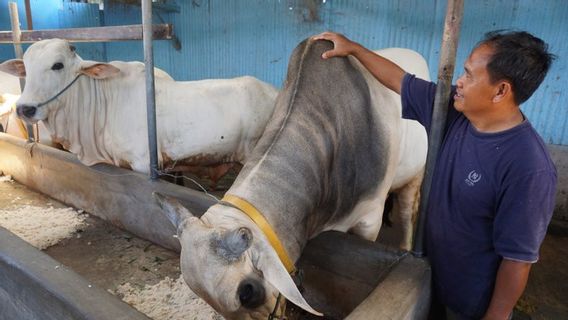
[{"x": 494, "y": 183}]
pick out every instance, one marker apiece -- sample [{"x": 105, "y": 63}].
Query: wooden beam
[
  {"x": 96, "y": 34},
  {"x": 450, "y": 39}
]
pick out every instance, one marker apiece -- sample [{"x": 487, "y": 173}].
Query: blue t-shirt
[{"x": 492, "y": 197}]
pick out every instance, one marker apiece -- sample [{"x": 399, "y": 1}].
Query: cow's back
[{"x": 321, "y": 151}]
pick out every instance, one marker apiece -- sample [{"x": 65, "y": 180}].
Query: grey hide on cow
[
  {"x": 97, "y": 111},
  {"x": 325, "y": 161}
]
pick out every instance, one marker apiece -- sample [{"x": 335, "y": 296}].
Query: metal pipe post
[
  {"x": 150, "y": 86},
  {"x": 452, "y": 24}
]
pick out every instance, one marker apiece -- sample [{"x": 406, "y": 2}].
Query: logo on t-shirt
[{"x": 472, "y": 178}]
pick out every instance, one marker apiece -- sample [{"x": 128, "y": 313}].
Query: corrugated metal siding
[{"x": 228, "y": 38}]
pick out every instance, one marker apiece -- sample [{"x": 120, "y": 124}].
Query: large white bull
[
  {"x": 333, "y": 149},
  {"x": 98, "y": 110}
]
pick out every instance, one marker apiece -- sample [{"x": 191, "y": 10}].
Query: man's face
[{"x": 474, "y": 89}]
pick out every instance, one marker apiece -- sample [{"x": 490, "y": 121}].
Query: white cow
[
  {"x": 333, "y": 149},
  {"x": 99, "y": 110}
]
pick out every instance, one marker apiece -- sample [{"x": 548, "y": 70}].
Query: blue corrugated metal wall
[
  {"x": 228, "y": 38},
  {"x": 54, "y": 14}
]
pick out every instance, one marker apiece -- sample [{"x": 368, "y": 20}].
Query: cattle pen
[{"x": 343, "y": 276}]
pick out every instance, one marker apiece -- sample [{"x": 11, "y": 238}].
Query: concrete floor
[{"x": 115, "y": 256}]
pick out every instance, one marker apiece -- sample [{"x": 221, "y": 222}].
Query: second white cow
[{"x": 98, "y": 110}]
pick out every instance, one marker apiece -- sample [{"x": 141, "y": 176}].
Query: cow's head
[
  {"x": 49, "y": 66},
  {"x": 230, "y": 264}
]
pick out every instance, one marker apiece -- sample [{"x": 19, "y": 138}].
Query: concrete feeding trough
[
  {"x": 343, "y": 275},
  {"x": 35, "y": 286}
]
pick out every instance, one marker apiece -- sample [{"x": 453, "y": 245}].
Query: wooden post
[
  {"x": 29, "y": 15},
  {"x": 452, "y": 24},
  {"x": 16, "y": 36}
]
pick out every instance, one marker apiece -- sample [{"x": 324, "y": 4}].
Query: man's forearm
[{"x": 511, "y": 280}]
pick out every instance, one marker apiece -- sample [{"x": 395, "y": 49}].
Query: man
[{"x": 494, "y": 182}]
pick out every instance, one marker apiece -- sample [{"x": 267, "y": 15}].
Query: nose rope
[
  {"x": 273, "y": 315},
  {"x": 298, "y": 280},
  {"x": 60, "y": 92}
]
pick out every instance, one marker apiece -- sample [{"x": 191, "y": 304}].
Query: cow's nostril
[{"x": 251, "y": 293}]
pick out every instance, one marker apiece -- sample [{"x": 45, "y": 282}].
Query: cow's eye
[{"x": 57, "y": 66}]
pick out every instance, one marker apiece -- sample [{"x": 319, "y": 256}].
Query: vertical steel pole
[
  {"x": 452, "y": 24},
  {"x": 150, "y": 88},
  {"x": 16, "y": 38}
]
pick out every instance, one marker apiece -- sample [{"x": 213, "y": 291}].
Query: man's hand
[
  {"x": 341, "y": 45},
  {"x": 382, "y": 69}
]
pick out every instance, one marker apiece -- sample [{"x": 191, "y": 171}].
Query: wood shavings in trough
[
  {"x": 41, "y": 227},
  {"x": 168, "y": 299}
]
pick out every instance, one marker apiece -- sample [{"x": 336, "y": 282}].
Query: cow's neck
[
  {"x": 266, "y": 188},
  {"x": 78, "y": 118}
]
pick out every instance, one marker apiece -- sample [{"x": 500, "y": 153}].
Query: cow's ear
[
  {"x": 173, "y": 210},
  {"x": 14, "y": 67},
  {"x": 274, "y": 272},
  {"x": 98, "y": 70}
]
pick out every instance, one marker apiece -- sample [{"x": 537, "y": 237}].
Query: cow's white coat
[{"x": 102, "y": 117}]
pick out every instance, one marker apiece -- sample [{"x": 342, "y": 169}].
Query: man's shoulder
[
  {"x": 525, "y": 153},
  {"x": 413, "y": 83},
  {"x": 530, "y": 145}
]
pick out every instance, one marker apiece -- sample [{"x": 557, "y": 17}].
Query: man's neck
[{"x": 497, "y": 121}]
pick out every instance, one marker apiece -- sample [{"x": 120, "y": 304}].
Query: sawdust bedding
[
  {"x": 40, "y": 226},
  {"x": 168, "y": 299}
]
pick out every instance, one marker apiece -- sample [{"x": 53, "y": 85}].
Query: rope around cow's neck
[{"x": 59, "y": 93}]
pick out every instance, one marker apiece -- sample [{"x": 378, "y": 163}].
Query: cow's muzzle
[
  {"x": 26, "y": 111},
  {"x": 251, "y": 293}
]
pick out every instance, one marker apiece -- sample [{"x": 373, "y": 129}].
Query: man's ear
[
  {"x": 504, "y": 91},
  {"x": 14, "y": 67},
  {"x": 98, "y": 70}
]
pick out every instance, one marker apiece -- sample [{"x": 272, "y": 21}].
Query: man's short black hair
[{"x": 520, "y": 58}]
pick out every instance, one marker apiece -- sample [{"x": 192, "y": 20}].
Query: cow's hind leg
[{"x": 407, "y": 201}]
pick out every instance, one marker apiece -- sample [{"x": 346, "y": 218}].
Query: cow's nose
[
  {"x": 26, "y": 111},
  {"x": 251, "y": 293}
]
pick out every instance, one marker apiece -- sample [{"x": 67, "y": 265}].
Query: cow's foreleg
[
  {"x": 217, "y": 172},
  {"x": 369, "y": 225}
]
